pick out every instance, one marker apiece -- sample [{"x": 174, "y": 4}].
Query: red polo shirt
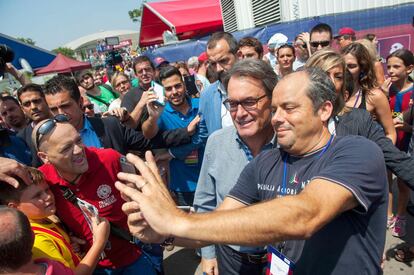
[{"x": 96, "y": 186}]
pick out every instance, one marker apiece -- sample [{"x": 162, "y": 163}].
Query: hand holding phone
[
  {"x": 190, "y": 85},
  {"x": 126, "y": 166},
  {"x": 159, "y": 91}
]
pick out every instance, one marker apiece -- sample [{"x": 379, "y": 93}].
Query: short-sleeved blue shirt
[
  {"x": 184, "y": 173},
  {"x": 353, "y": 242},
  {"x": 88, "y": 135}
]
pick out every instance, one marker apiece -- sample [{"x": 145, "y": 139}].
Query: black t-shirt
[
  {"x": 353, "y": 242},
  {"x": 129, "y": 102},
  {"x": 132, "y": 98}
]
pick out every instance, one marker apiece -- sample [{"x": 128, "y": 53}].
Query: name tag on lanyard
[{"x": 278, "y": 264}]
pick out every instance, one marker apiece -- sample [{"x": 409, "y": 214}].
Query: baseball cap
[
  {"x": 277, "y": 40},
  {"x": 202, "y": 57},
  {"x": 345, "y": 31},
  {"x": 160, "y": 61}
]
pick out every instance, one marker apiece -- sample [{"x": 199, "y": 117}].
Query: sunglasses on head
[
  {"x": 315, "y": 44},
  {"x": 304, "y": 45},
  {"x": 47, "y": 127}
]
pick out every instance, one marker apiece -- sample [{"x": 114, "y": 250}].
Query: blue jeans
[{"x": 141, "y": 266}]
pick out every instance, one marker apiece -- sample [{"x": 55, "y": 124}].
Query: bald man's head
[{"x": 62, "y": 147}]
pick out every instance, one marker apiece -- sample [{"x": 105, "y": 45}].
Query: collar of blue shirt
[{"x": 170, "y": 109}]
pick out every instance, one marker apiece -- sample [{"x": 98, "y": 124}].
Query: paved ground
[{"x": 185, "y": 261}]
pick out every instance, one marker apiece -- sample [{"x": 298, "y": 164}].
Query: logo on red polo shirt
[{"x": 104, "y": 192}]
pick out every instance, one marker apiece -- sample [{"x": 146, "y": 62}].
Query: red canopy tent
[
  {"x": 185, "y": 18},
  {"x": 63, "y": 64}
]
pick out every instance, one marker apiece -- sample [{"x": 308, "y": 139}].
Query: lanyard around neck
[{"x": 284, "y": 191}]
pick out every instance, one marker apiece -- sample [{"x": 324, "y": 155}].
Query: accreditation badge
[{"x": 278, "y": 264}]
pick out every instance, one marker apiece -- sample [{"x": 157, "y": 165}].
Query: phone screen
[
  {"x": 190, "y": 85},
  {"x": 159, "y": 91}
]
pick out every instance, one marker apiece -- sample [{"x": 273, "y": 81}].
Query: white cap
[{"x": 277, "y": 40}]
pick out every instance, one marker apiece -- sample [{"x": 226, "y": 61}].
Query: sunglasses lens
[
  {"x": 46, "y": 127},
  {"x": 315, "y": 44},
  {"x": 61, "y": 118}
]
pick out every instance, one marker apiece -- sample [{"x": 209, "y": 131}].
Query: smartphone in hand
[
  {"x": 159, "y": 91},
  {"x": 190, "y": 84},
  {"x": 126, "y": 166}
]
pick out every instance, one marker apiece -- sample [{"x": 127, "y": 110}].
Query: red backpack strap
[{"x": 59, "y": 236}]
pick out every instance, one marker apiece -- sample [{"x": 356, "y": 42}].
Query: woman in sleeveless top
[{"x": 366, "y": 94}]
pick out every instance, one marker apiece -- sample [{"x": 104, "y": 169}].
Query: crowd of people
[{"x": 265, "y": 159}]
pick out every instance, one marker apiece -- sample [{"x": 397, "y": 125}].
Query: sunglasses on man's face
[
  {"x": 315, "y": 44},
  {"x": 47, "y": 127},
  {"x": 89, "y": 106}
]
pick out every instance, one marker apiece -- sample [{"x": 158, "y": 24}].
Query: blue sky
[{"x": 53, "y": 23}]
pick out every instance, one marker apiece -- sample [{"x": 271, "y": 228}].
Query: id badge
[{"x": 278, "y": 264}]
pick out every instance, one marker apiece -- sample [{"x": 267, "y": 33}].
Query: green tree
[
  {"x": 26, "y": 40},
  {"x": 65, "y": 51},
  {"x": 135, "y": 15}
]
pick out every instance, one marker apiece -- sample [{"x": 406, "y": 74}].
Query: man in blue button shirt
[{"x": 180, "y": 111}]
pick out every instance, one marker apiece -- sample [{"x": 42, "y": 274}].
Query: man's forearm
[
  {"x": 259, "y": 224},
  {"x": 150, "y": 127},
  {"x": 136, "y": 115},
  {"x": 288, "y": 218}
]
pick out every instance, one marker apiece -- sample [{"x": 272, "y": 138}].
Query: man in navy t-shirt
[{"x": 326, "y": 192}]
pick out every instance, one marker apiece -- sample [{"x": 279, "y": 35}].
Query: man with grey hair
[
  {"x": 193, "y": 64},
  {"x": 318, "y": 201},
  {"x": 249, "y": 86}
]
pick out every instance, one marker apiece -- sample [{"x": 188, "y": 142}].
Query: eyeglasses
[
  {"x": 147, "y": 70},
  {"x": 177, "y": 87},
  {"x": 315, "y": 44},
  {"x": 89, "y": 106},
  {"x": 247, "y": 104},
  {"x": 48, "y": 126},
  {"x": 118, "y": 85}
]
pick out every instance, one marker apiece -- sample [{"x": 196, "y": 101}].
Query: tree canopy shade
[
  {"x": 27, "y": 40},
  {"x": 65, "y": 51},
  {"x": 185, "y": 18}
]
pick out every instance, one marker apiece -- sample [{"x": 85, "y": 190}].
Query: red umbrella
[
  {"x": 185, "y": 18},
  {"x": 63, "y": 64}
]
